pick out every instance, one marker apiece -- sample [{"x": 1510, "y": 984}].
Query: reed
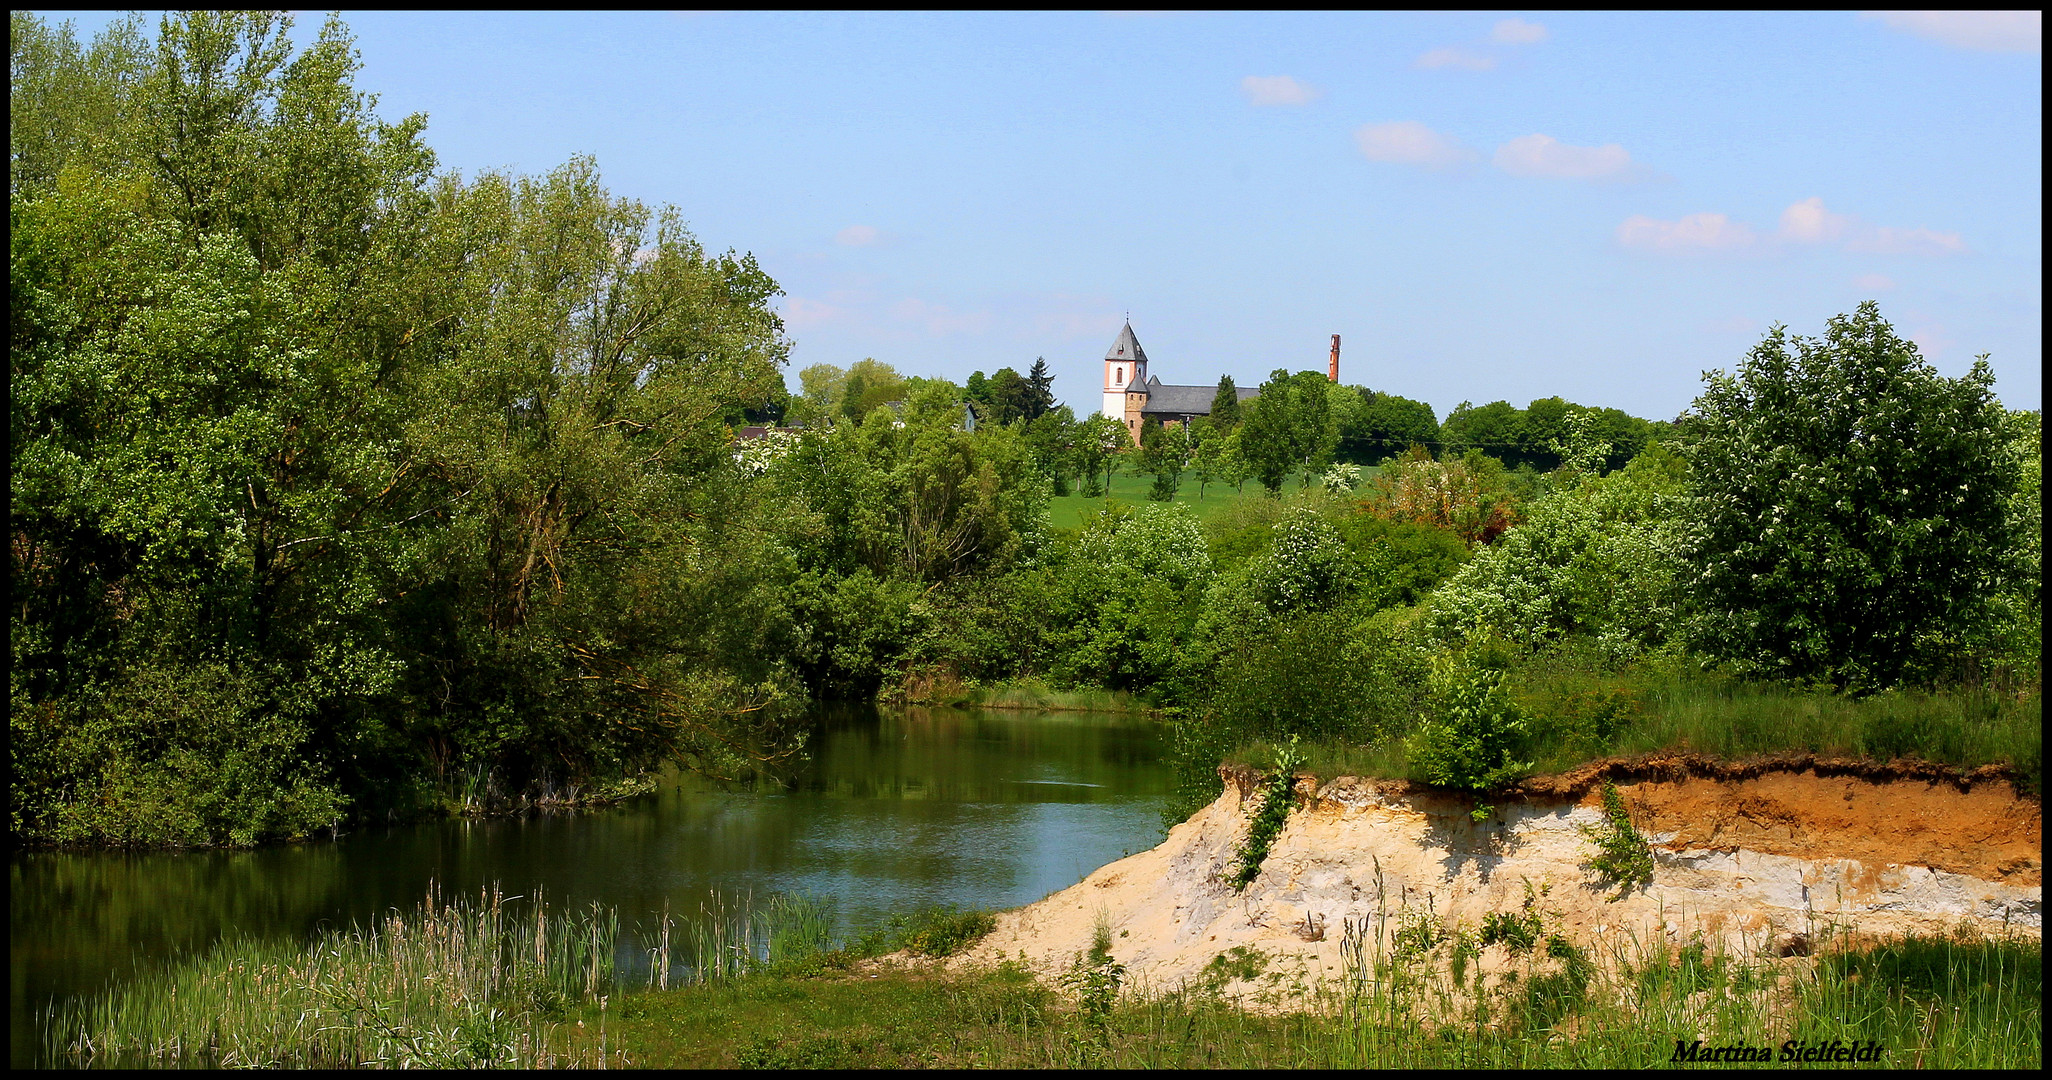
[{"x": 449, "y": 984}]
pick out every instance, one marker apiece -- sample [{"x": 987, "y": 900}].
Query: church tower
[{"x": 1125, "y": 372}]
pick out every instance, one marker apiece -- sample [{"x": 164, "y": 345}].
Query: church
[{"x": 1132, "y": 395}]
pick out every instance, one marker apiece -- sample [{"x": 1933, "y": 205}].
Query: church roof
[
  {"x": 1127, "y": 347},
  {"x": 1169, "y": 400}
]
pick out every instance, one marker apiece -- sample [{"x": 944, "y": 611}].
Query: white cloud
[
  {"x": 1808, "y": 222},
  {"x": 859, "y": 236},
  {"x": 1277, "y": 90},
  {"x": 1873, "y": 283},
  {"x": 1407, "y": 142},
  {"x": 1888, "y": 241},
  {"x": 1454, "y": 58},
  {"x": 1694, "y": 233},
  {"x": 1543, "y": 155},
  {"x": 1518, "y": 32},
  {"x": 1983, "y": 31}
]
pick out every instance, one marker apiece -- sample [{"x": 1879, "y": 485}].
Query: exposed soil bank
[{"x": 1759, "y": 859}]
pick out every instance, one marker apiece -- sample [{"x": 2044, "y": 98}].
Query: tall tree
[
  {"x": 1052, "y": 437},
  {"x": 1164, "y": 450},
  {"x": 1041, "y": 380},
  {"x": 1010, "y": 396},
  {"x": 1289, "y": 427},
  {"x": 1225, "y": 405},
  {"x": 1852, "y": 519},
  {"x": 327, "y": 476}
]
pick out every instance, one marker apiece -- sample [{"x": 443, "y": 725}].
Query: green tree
[
  {"x": 1206, "y": 446},
  {"x": 1041, "y": 382},
  {"x": 1232, "y": 462},
  {"x": 1289, "y": 427},
  {"x": 1491, "y": 428},
  {"x": 977, "y": 390},
  {"x": 1011, "y": 397},
  {"x": 1100, "y": 440},
  {"x": 1601, "y": 558},
  {"x": 1386, "y": 426},
  {"x": 1132, "y": 591},
  {"x": 822, "y": 387},
  {"x": 1052, "y": 436},
  {"x": 1852, "y": 511},
  {"x": 328, "y": 477},
  {"x": 870, "y": 384},
  {"x": 1164, "y": 452},
  {"x": 1225, "y": 405}
]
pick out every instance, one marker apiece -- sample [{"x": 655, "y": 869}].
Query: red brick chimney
[{"x": 1332, "y": 372}]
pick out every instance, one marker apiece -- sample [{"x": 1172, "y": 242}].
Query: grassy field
[{"x": 1069, "y": 512}]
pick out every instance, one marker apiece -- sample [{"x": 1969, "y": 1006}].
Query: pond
[{"x": 895, "y": 811}]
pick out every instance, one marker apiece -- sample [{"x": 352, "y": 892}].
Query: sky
[{"x": 1485, "y": 206}]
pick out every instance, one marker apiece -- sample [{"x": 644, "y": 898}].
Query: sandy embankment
[{"x": 1749, "y": 857}]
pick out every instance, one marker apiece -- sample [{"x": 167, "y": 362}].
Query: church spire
[{"x": 1127, "y": 348}]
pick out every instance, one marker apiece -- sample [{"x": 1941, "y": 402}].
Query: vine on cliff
[{"x": 1269, "y": 818}]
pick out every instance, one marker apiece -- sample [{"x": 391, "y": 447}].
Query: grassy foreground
[{"x": 470, "y": 984}]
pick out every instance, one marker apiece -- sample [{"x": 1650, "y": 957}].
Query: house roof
[
  {"x": 1127, "y": 347},
  {"x": 1163, "y": 399}
]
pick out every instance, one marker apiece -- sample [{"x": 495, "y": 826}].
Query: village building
[{"x": 1132, "y": 394}]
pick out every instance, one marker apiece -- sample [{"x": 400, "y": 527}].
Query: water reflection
[{"x": 894, "y": 811}]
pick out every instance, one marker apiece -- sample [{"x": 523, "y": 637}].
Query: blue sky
[{"x": 1484, "y": 205}]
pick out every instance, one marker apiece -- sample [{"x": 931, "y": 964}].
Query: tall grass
[
  {"x": 449, "y": 984},
  {"x": 1416, "y": 992},
  {"x": 734, "y": 937},
  {"x": 1579, "y": 713}
]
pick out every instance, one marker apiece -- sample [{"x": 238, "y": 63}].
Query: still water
[{"x": 895, "y": 810}]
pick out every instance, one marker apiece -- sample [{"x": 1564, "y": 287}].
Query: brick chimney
[{"x": 1332, "y": 372}]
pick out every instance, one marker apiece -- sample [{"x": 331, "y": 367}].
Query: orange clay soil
[{"x": 1970, "y": 822}]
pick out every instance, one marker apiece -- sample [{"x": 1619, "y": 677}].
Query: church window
[{"x": 1121, "y": 380}]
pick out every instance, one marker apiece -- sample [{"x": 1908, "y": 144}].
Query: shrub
[
  {"x": 1601, "y": 558},
  {"x": 1466, "y": 495},
  {"x": 1852, "y": 510},
  {"x": 1475, "y": 731},
  {"x": 1622, "y": 855}
]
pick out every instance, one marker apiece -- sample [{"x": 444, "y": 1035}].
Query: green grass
[
  {"x": 1580, "y": 713},
  {"x": 1931, "y": 1002},
  {"x": 1070, "y": 511},
  {"x": 448, "y": 985}
]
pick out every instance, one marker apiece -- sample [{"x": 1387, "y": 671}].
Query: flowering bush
[
  {"x": 1460, "y": 495},
  {"x": 1602, "y": 558}
]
